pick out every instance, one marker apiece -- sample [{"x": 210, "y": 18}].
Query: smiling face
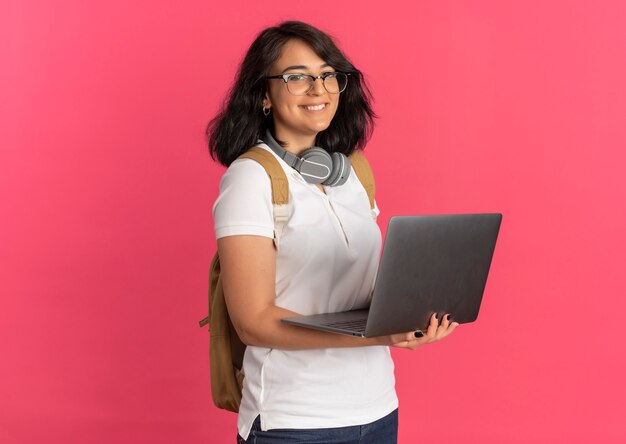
[{"x": 294, "y": 120}]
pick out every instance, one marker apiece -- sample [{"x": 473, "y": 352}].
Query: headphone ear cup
[
  {"x": 340, "y": 172},
  {"x": 316, "y": 165}
]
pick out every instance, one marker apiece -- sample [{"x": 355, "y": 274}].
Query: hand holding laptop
[{"x": 410, "y": 340}]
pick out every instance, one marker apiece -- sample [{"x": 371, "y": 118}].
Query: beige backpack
[{"x": 225, "y": 348}]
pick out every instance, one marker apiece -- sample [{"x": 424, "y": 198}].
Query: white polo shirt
[{"x": 327, "y": 262}]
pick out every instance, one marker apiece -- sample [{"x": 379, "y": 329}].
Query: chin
[{"x": 322, "y": 126}]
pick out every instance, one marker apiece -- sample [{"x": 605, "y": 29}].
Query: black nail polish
[
  {"x": 449, "y": 318},
  {"x": 436, "y": 317},
  {"x": 418, "y": 334}
]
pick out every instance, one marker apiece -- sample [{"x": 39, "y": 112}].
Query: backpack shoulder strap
[
  {"x": 278, "y": 178},
  {"x": 364, "y": 173},
  {"x": 279, "y": 183}
]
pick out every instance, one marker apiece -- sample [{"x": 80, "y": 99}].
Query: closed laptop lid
[{"x": 432, "y": 263}]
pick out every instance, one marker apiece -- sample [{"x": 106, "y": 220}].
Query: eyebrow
[{"x": 325, "y": 65}]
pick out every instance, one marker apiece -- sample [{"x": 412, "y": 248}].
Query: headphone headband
[{"x": 314, "y": 164}]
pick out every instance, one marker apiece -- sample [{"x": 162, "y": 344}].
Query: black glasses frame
[{"x": 285, "y": 78}]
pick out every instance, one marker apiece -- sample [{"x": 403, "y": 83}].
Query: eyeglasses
[{"x": 302, "y": 84}]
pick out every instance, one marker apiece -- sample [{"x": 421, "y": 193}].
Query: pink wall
[{"x": 106, "y": 190}]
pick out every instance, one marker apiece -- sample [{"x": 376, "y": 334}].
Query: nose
[{"x": 318, "y": 87}]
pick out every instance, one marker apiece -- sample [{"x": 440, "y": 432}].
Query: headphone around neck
[{"x": 314, "y": 164}]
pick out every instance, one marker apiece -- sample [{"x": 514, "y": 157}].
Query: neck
[{"x": 296, "y": 144}]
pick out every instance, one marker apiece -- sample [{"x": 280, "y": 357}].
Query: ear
[{"x": 266, "y": 101}]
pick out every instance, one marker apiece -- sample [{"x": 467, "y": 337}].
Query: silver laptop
[{"x": 435, "y": 263}]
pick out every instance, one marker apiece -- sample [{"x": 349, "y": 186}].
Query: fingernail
[
  {"x": 448, "y": 317},
  {"x": 436, "y": 316},
  {"x": 418, "y": 334}
]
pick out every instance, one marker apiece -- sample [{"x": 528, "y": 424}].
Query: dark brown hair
[{"x": 240, "y": 122}]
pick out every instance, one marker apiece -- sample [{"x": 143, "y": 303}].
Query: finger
[
  {"x": 413, "y": 344},
  {"x": 445, "y": 322},
  {"x": 417, "y": 334},
  {"x": 406, "y": 337},
  {"x": 451, "y": 324},
  {"x": 450, "y": 329},
  {"x": 402, "y": 343},
  {"x": 410, "y": 336},
  {"x": 441, "y": 331},
  {"x": 432, "y": 327}
]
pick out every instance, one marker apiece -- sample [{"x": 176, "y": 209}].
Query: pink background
[{"x": 106, "y": 190}]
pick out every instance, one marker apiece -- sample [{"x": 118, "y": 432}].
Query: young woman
[{"x": 303, "y": 385}]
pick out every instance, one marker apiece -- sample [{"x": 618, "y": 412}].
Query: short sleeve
[
  {"x": 375, "y": 210},
  {"x": 244, "y": 204}
]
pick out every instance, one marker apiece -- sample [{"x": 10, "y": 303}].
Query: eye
[
  {"x": 296, "y": 78},
  {"x": 329, "y": 74}
]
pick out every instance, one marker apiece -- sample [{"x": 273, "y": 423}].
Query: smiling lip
[{"x": 304, "y": 107}]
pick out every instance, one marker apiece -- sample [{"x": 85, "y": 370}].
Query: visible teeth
[{"x": 315, "y": 108}]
